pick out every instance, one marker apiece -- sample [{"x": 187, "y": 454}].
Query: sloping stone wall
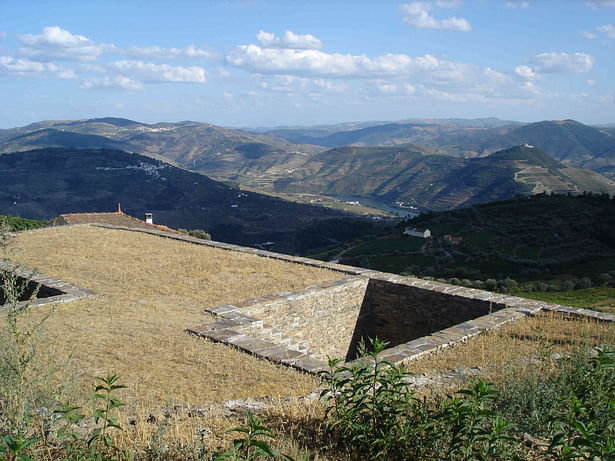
[
  {"x": 320, "y": 320},
  {"x": 50, "y": 290},
  {"x": 399, "y": 312}
]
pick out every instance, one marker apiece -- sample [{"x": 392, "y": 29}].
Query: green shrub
[
  {"x": 98, "y": 445},
  {"x": 373, "y": 411},
  {"x": 583, "y": 426},
  {"x": 254, "y": 444}
]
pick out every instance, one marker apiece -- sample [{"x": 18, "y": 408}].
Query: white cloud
[
  {"x": 529, "y": 86},
  {"x": 495, "y": 76},
  {"x": 24, "y": 67},
  {"x": 513, "y": 5},
  {"x": 409, "y": 88},
  {"x": 318, "y": 63},
  {"x": 157, "y": 52},
  {"x": 57, "y": 43},
  {"x": 292, "y": 84},
  {"x": 590, "y": 82},
  {"x": 526, "y": 72},
  {"x": 160, "y": 72},
  {"x": 290, "y": 40},
  {"x": 608, "y": 30},
  {"x": 554, "y": 62},
  {"x": 417, "y": 14},
  {"x": 116, "y": 82},
  {"x": 2, "y": 34},
  {"x": 589, "y": 35}
]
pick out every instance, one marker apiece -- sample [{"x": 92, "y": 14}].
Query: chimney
[{"x": 148, "y": 218}]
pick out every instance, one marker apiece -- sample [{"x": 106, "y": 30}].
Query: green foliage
[
  {"x": 19, "y": 224},
  {"x": 584, "y": 424},
  {"x": 477, "y": 432},
  {"x": 14, "y": 448},
  {"x": 198, "y": 233},
  {"x": 371, "y": 406},
  {"x": 99, "y": 444},
  {"x": 373, "y": 410},
  {"x": 23, "y": 390},
  {"x": 387, "y": 245},
  {"x": 254, "y": 444}
]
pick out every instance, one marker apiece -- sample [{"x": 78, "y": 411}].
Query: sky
[{"x": 252, "y": 63}]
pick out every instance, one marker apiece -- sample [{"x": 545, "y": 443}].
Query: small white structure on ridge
[{"x": 417, "y": 232}]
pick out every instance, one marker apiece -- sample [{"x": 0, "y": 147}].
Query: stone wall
[
  {"x": 320, "y": 320},
  {"x": 398, "y": 312}
]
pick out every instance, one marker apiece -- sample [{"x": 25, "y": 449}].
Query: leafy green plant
[
  {"x": 23, "y": 388},
  {"x": 584, "y": 425},
  {"x": 477, "y": 432},
  {"x": 371, "y": 405},
  {"x": 254, "y": 444},
  {"x": 14, "y": 448},
  {"x": 373, "y": 410},
  {"x": 99, "y": 444}
]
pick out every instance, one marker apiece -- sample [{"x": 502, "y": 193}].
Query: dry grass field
[
  {"x": 150, "y": 289},
  {"x": 517, "y": 344}
]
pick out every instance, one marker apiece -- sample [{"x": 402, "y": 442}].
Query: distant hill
[
  {"x": 568, "y": 141},
  {"x": 427, "y": 163},
  {"x": 213, "y": 150},
  {"x": 411, "y": 175},
  {"x": 49, "y": 137},
  {"x": 43, "y": 183}
]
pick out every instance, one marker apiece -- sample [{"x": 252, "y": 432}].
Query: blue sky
[{"x": 270, "y": 63}]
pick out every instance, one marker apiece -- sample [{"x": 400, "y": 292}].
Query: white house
[{"x": 417, "y": 232}]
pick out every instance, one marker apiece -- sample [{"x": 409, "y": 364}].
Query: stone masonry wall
[
  {"x": 321, "y": 321},
  {"x": 399, "y": 312}
]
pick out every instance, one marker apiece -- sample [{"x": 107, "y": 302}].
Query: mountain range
[
  {"x": 430, "y": 181},
  {"x": 431, "y": 164},
  {"x": 569, "y": 141}
]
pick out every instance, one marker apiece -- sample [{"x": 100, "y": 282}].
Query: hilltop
[
  {"x": 427, "y": 164},
  {"x": 200, "y": 147}
]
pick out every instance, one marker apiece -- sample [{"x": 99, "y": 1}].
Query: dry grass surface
[
  {"x": 150, "y": 289},
  {"x": 518, "y": 344}
]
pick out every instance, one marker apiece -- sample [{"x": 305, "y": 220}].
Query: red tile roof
[{"x": 117, "y": 218}]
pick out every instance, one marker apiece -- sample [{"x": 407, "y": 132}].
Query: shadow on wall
[{"x": 399, "y": 313}]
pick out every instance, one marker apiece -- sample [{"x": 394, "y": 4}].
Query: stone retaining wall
[
  {"x": 399, "y": 312},
  {"x": 320, "y": 319}
]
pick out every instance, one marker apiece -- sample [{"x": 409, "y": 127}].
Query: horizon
[
  {"x": 256, "y": 64},
  {"x": 274, "y": 127}
]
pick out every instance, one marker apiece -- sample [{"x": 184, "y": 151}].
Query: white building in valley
[{"x": 417, "y": 232}]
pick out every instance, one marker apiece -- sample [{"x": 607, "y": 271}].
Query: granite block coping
[{"x": 66, "y": 292}]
